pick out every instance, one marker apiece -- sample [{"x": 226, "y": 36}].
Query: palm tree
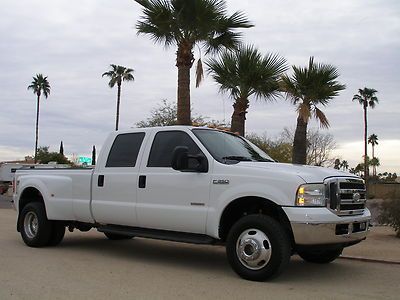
[
  {"x": 40, "y": 85},
  {"x": 186, "y": 23},
  {"x": 374, "y": 162},
  {"x": 307, "y": 88},
  {"x": 367, "y": 98},
  {"x": 373, "y": 140},
  {"x": 344, "y": 164},
  {"x": 117, "y": 74},
  {"x": 359, "y": 168},
  {"x": 244, "y": 73},
  {"x": 337, "y": 164}
]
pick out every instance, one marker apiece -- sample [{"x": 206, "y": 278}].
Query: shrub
[{"x": 390, "y": 214}]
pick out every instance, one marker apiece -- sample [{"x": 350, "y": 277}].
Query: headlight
[{"x": 311, "y": 195}]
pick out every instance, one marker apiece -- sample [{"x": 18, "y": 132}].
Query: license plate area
[{"x": 342, "y": 229}]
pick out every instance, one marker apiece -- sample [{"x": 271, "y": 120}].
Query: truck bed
[{"x": 68, "y": 190}]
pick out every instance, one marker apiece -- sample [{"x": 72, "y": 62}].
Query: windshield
[{"x": 229, "y": 148}]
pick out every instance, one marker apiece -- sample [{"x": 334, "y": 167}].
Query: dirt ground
[
  {"x": 88, "y": 266},
  {"x": 381, "y": 244}
]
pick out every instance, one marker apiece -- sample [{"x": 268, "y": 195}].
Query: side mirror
[
  {"x": 184, "y": 162},
  {"x": 180, "y": 159}
]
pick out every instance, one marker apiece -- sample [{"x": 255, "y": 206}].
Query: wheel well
[
  {"x": 29, "y": 195},
  {"x": 251, "y": 205}
]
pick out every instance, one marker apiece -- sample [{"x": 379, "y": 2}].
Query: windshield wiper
[
  {"x": 238, "y": 158},
  {"x": 264, "y": 159}
]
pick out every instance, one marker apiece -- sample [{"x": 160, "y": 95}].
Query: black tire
[
  {"x": 57, "y": 234},
  {"x": 117, "y": 237},
  {"x": 320, "y": 256},
  {"x": 274, "y": 240},
  {"x": 35, "y": 228}
]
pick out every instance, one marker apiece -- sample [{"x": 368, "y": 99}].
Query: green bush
[{"x": 390, "y": 214}]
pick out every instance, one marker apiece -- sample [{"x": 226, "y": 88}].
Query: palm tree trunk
[
  {"x": 37, "y": 127},
  {"x": 300, "y": 143},
  {"x": 118, "y": 103},
  {"x": 373, "y": 156},
  {"x": 239, "y": 116},
  {"x": 366, "y": 169},
  {"x": 184, "y": 61}
]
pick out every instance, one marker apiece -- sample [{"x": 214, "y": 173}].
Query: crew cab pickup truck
[{"x": 202, "y": 186}]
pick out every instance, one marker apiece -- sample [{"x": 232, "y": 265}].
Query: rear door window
[{"x": 125, "y": 150}]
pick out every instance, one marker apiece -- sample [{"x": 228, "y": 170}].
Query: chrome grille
[{"x": 346, "y": 196}]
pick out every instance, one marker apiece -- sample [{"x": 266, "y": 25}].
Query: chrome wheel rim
[
  {"x": 253, "y": 249},
  {"x": 31, "y": 225}
]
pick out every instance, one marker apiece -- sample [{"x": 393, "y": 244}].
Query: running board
[{"x": 184, "y": 237}]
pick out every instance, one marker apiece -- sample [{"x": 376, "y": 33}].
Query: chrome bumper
[
  {"x": 309, "y": 229},
  {"x": 318, "y": 234}
]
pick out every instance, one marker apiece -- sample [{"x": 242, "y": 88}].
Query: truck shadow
[{"x": 202, "y": 258}]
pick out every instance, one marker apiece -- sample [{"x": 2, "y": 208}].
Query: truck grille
[{"x": 346, "y": 196}]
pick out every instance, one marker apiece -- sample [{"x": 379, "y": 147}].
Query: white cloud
[
  {"x": 74, "y": 44},
  {"x": 387, "y": 152}
]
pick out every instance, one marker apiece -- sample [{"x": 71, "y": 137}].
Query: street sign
[{"x": 85, "y": 160}]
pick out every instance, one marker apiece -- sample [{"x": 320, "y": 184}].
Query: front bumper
[{"x": 319, "y": 226}]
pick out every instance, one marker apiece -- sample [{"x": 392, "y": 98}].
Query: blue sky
[{"x": 73, "y": 43}]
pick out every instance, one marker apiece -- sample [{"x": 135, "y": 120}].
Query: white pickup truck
[{"x": 202, "y": 186}]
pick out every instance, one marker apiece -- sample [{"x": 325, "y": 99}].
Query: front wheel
[
  {"x": 258, "y": 248},
  {"x": 320, "y": 256}
]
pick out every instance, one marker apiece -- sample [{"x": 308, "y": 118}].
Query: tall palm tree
[
  {"x": 367, "y": 98},
  {"x": 307, "y": 88},
  {"x": 186, "y": 23},
  {"x": 40, "y": 85},
  {"x": 244, "y": 73},
  {"x": 117, "y": 74}
]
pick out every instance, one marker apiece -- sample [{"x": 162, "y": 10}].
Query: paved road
[
  {"x": 5, "y": 202},
  {"x": 88, "y": 266}
]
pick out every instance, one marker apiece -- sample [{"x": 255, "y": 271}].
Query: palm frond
[
  {"x": 321, "y": 117},
  {"x": 157, "y": 21},
  {"x": 199, "y": 72},
  {"x": 40, "y": 85},
  {"x": 366, "y": 97},
  {"x": 247, "y": 72},
  {"x": 358, "y": 98},
  {"x": 194, "y": 21},
  {"x": 117, "y": 74},
  {"x": 312, "y": 85}
]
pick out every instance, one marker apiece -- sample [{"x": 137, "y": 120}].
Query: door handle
[
  {"x": 142, "y": 181},
  {"x": 100, "y": 180}
]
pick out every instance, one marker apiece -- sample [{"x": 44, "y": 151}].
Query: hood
[{"x": 310, "y": 174}]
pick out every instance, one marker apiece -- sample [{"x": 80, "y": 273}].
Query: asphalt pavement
[
  {"x": 88, "y": 266},
  {"x": 5, "y": 202}
]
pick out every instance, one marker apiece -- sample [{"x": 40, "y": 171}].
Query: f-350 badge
[{"x": 220, "y": 181}]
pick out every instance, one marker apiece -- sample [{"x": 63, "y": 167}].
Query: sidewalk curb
[{"x": 372, "y": 260}]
